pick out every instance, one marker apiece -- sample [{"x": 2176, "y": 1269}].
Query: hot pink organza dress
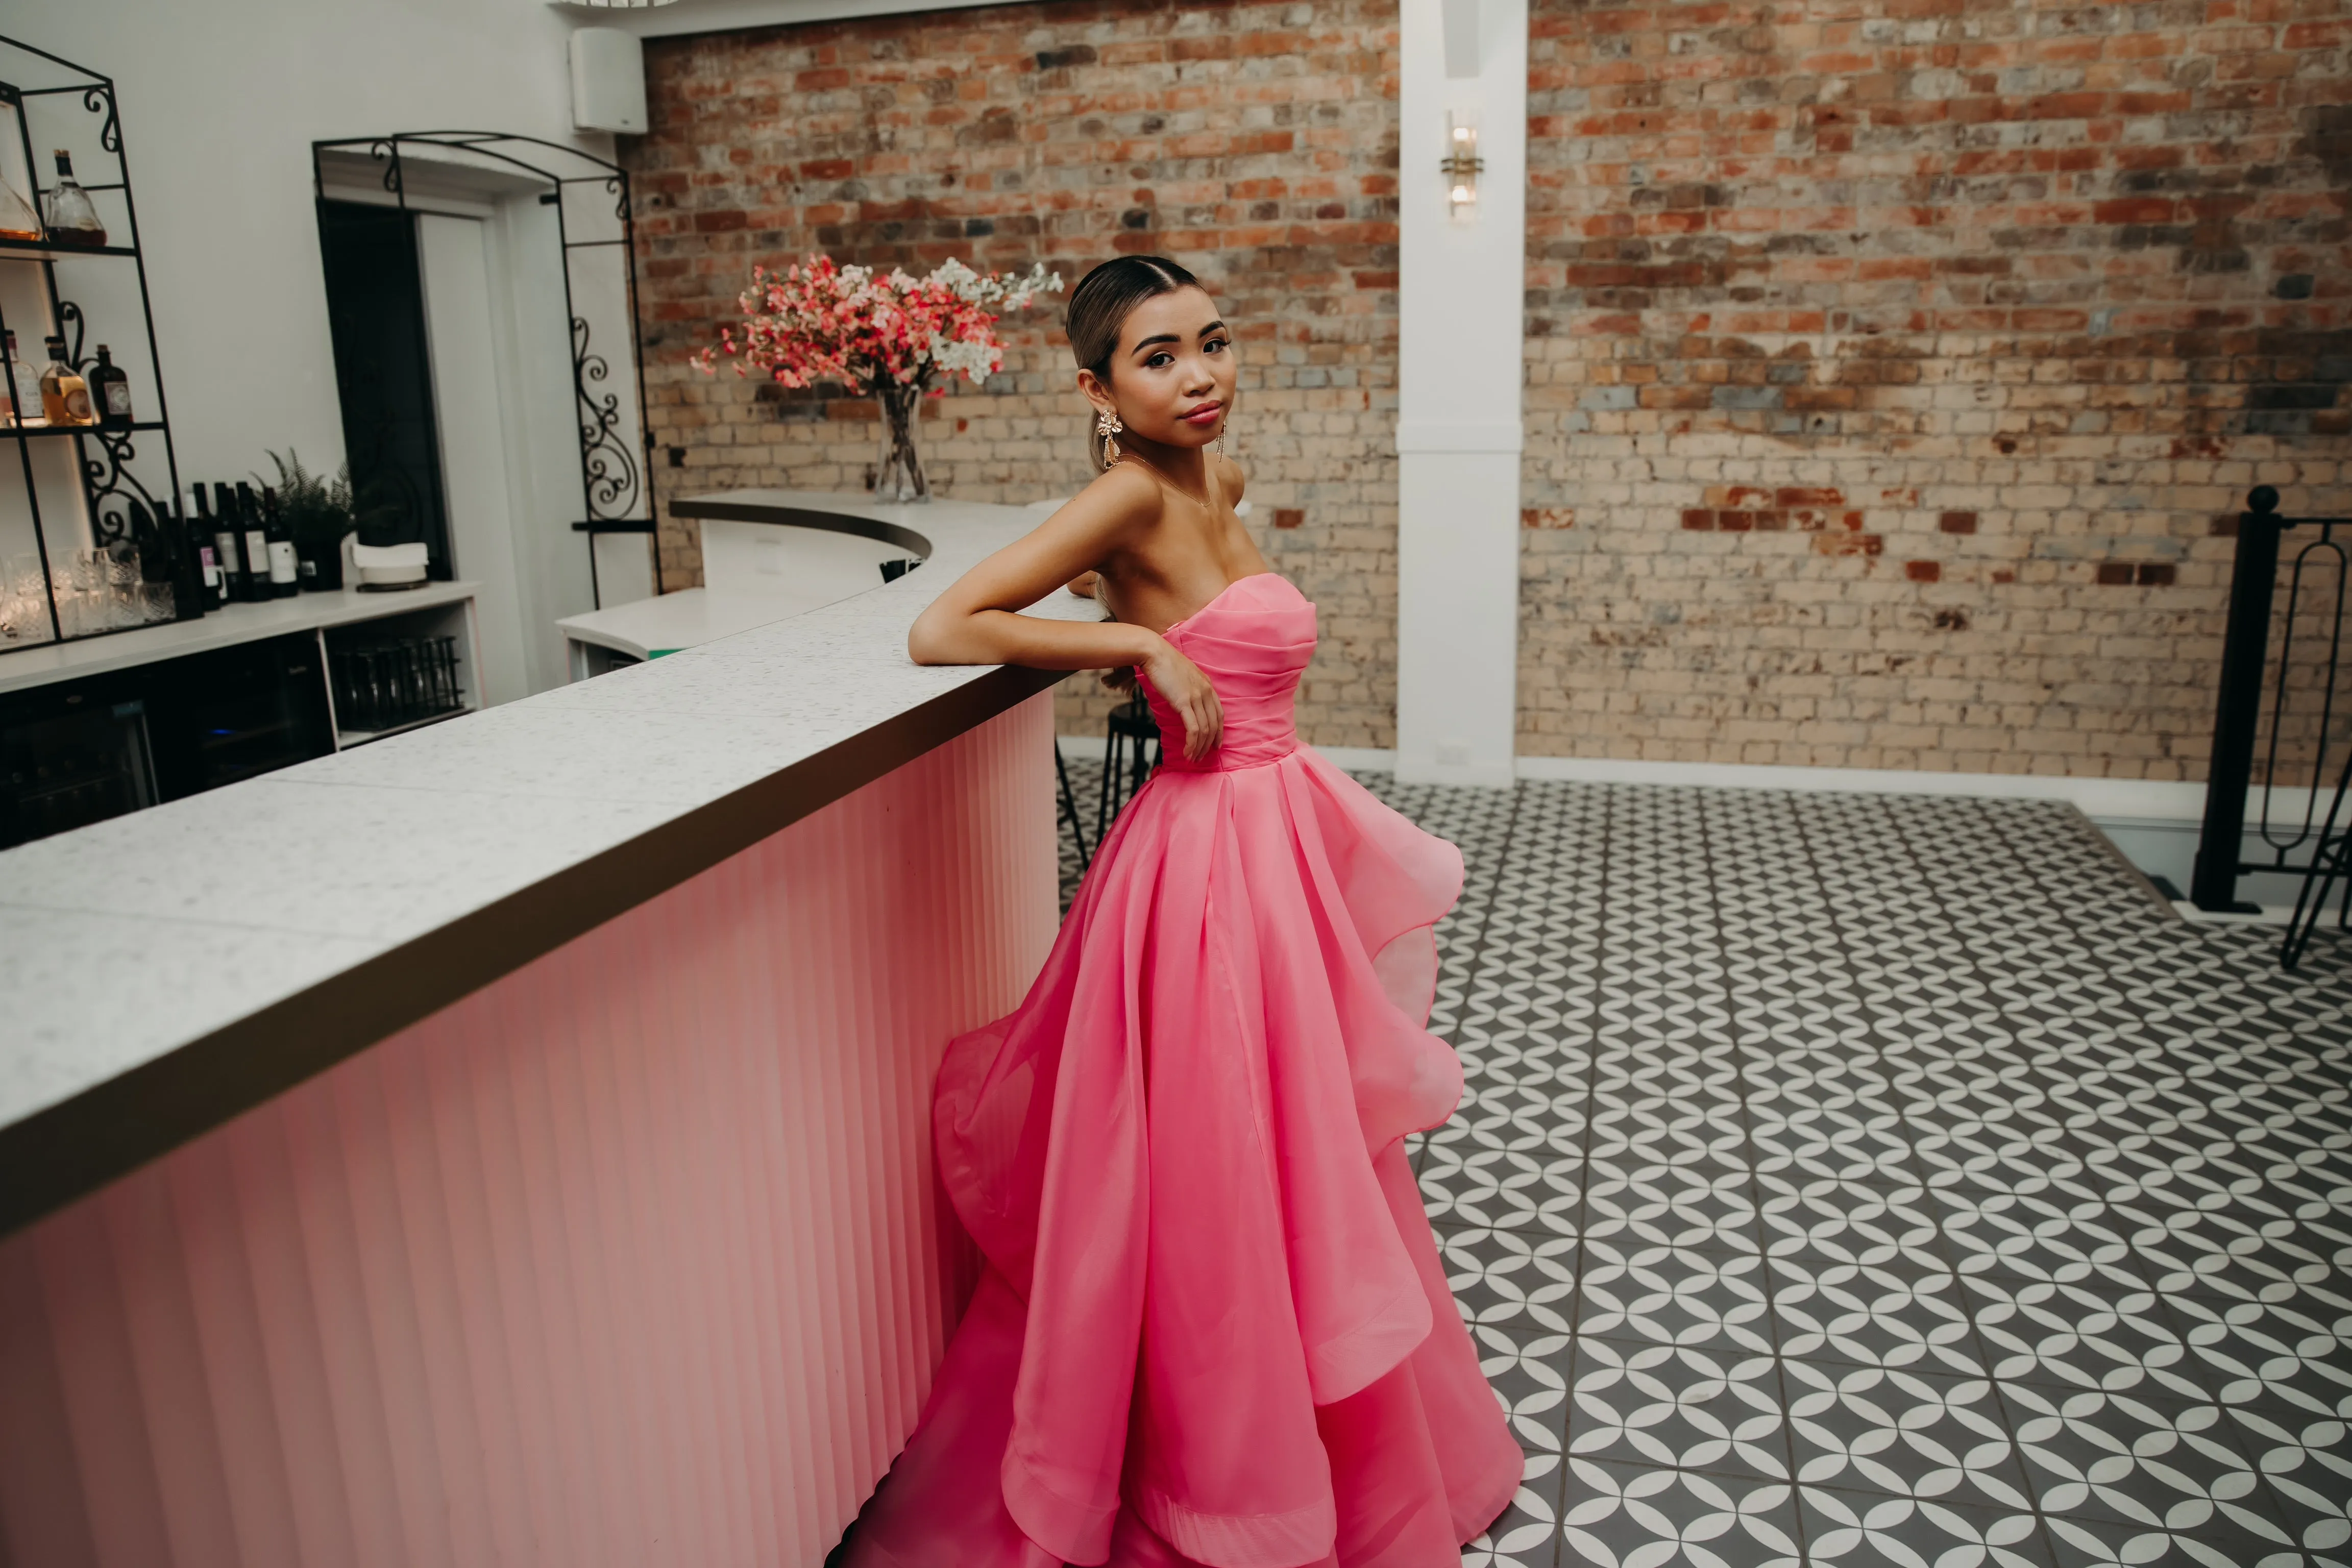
[{"x": 1212, "y": 1327}]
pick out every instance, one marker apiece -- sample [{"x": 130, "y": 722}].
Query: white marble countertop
[
  {"x": 659, "y": 626},
  {"x": 124, "y": 943},
  {"x": 43, "y": 663}
]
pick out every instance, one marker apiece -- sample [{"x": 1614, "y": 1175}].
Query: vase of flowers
[{"x": 895, "y": 338}]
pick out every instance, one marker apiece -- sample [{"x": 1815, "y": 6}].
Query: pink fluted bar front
[{"x": 635, "y": 1257}]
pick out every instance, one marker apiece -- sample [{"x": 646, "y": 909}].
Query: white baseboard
[{"x": 2144, "y": 799}]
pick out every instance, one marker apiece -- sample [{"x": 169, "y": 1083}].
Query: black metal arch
[{"x": 615, "y": 483}]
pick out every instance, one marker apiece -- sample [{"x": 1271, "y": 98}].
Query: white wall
[{"x": 220, "y": 102}]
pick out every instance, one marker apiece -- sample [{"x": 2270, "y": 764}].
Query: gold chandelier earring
[{"x": 1107, "y": 426}]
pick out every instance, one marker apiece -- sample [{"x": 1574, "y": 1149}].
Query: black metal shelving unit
[{"x": 113, "y": 474}]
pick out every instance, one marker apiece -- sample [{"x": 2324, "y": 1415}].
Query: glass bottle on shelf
[
  {"x": 109, "y": 391},
  {"x": 254, "y": 530},
  {"x": 65, "y": 396},
  {"x": 18, "y": 220},
  {"x": 228, "y": 539},
  {"x": 25, "y": 389},
  {"x": 210, "y": 551},
  {"x": 285, "y": 567},
  {"x": 72, "y": 215}
]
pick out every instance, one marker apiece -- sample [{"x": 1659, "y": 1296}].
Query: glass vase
[{"x": 900, "y": 476}]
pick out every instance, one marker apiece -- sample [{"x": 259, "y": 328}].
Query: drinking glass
[
  {"x": 121, "y": 563},
  {"x": 67, "y": 592},
  {"x": 24, "y": 606}
]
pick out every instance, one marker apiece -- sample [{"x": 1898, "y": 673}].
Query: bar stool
[{"x": 1131, "y": 752}]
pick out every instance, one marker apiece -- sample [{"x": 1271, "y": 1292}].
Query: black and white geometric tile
[{"x": 1857, "y": 1180}]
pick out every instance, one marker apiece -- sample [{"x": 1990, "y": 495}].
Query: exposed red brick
[
  {"x": 1257, "y": 143},
  {"x": 2076, "y": 269}
]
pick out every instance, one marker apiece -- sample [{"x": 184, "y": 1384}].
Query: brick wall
[
  {"x": 1256, "y": 142},
  {"x": 1896, "y": 369}
]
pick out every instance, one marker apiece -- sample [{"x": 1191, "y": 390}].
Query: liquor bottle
[
  {"x": 284, "y": 570},
  {"x": 109, "y": 391},
  {"x": 22, "y": 393},
  {"x": 72, "y": 215},
  {"x": 228, "y": 545},
  {"x": 203, "y": 543},
  {"x": 65, "y": 396},
  {"x": 255, "y": 533}
]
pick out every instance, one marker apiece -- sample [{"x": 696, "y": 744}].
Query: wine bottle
[
  {"x": 192, "y": 596},
  {"x": 72, "y": 215},
  {"x": 109, "y": 392},
  {"x": 285, "y": 571},
  {"x": 229, "y": 548},
  {"x": 203, "y": 543},
  {"x": 254, "y": 531}
]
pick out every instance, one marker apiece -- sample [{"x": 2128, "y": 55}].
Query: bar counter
[{"x": 509, "y": 1143}]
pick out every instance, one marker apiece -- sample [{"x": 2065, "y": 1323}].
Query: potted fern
[{"x": 318, "y": 511}]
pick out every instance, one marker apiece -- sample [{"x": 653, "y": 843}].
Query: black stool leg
[
  {"x": 1070, "y": 807},
  {"x": 1103, "y": 806}
]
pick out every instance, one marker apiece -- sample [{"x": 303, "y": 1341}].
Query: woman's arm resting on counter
[{"x": 976, "y": 621}]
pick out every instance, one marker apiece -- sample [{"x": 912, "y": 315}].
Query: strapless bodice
[{"x": 1253, "y": 641}]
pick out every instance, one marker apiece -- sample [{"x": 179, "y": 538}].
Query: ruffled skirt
[{"x": 1212, "y": 1327}]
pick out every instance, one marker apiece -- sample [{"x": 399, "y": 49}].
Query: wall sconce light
[{"x": 1461, "y": 165}]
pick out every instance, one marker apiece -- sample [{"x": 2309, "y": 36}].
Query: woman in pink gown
[{"x": 1212, "y": 1327}]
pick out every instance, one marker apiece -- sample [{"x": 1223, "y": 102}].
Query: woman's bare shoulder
[
  {"x": 1126, "y": 488},
  {"x": 1230, "y": 477},
  {"x": 1114, "y": 506}
]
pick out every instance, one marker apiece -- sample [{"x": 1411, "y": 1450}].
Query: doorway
[
  {"x": 451, "y": 281},
  {"x": 383, "y": 377}
]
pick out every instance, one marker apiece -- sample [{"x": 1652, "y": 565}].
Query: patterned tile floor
[{"x": 1886, "y": 1180}]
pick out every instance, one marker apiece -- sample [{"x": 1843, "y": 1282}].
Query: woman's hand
[{"x": 1181, "y": 685}]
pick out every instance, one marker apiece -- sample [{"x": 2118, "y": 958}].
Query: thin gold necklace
[{"x": 1201, "y": 501}]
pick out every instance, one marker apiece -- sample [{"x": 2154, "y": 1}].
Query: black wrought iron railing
[{"x": 2279, "y": 743}]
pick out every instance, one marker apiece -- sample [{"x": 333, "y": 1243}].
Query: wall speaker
[{"x": 608, "y": 81}]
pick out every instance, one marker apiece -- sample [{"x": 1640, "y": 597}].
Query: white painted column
[{"x": 1460, "y": 288}]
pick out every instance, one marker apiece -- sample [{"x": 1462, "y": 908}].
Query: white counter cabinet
[{"x": 509, "y": 1143}]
